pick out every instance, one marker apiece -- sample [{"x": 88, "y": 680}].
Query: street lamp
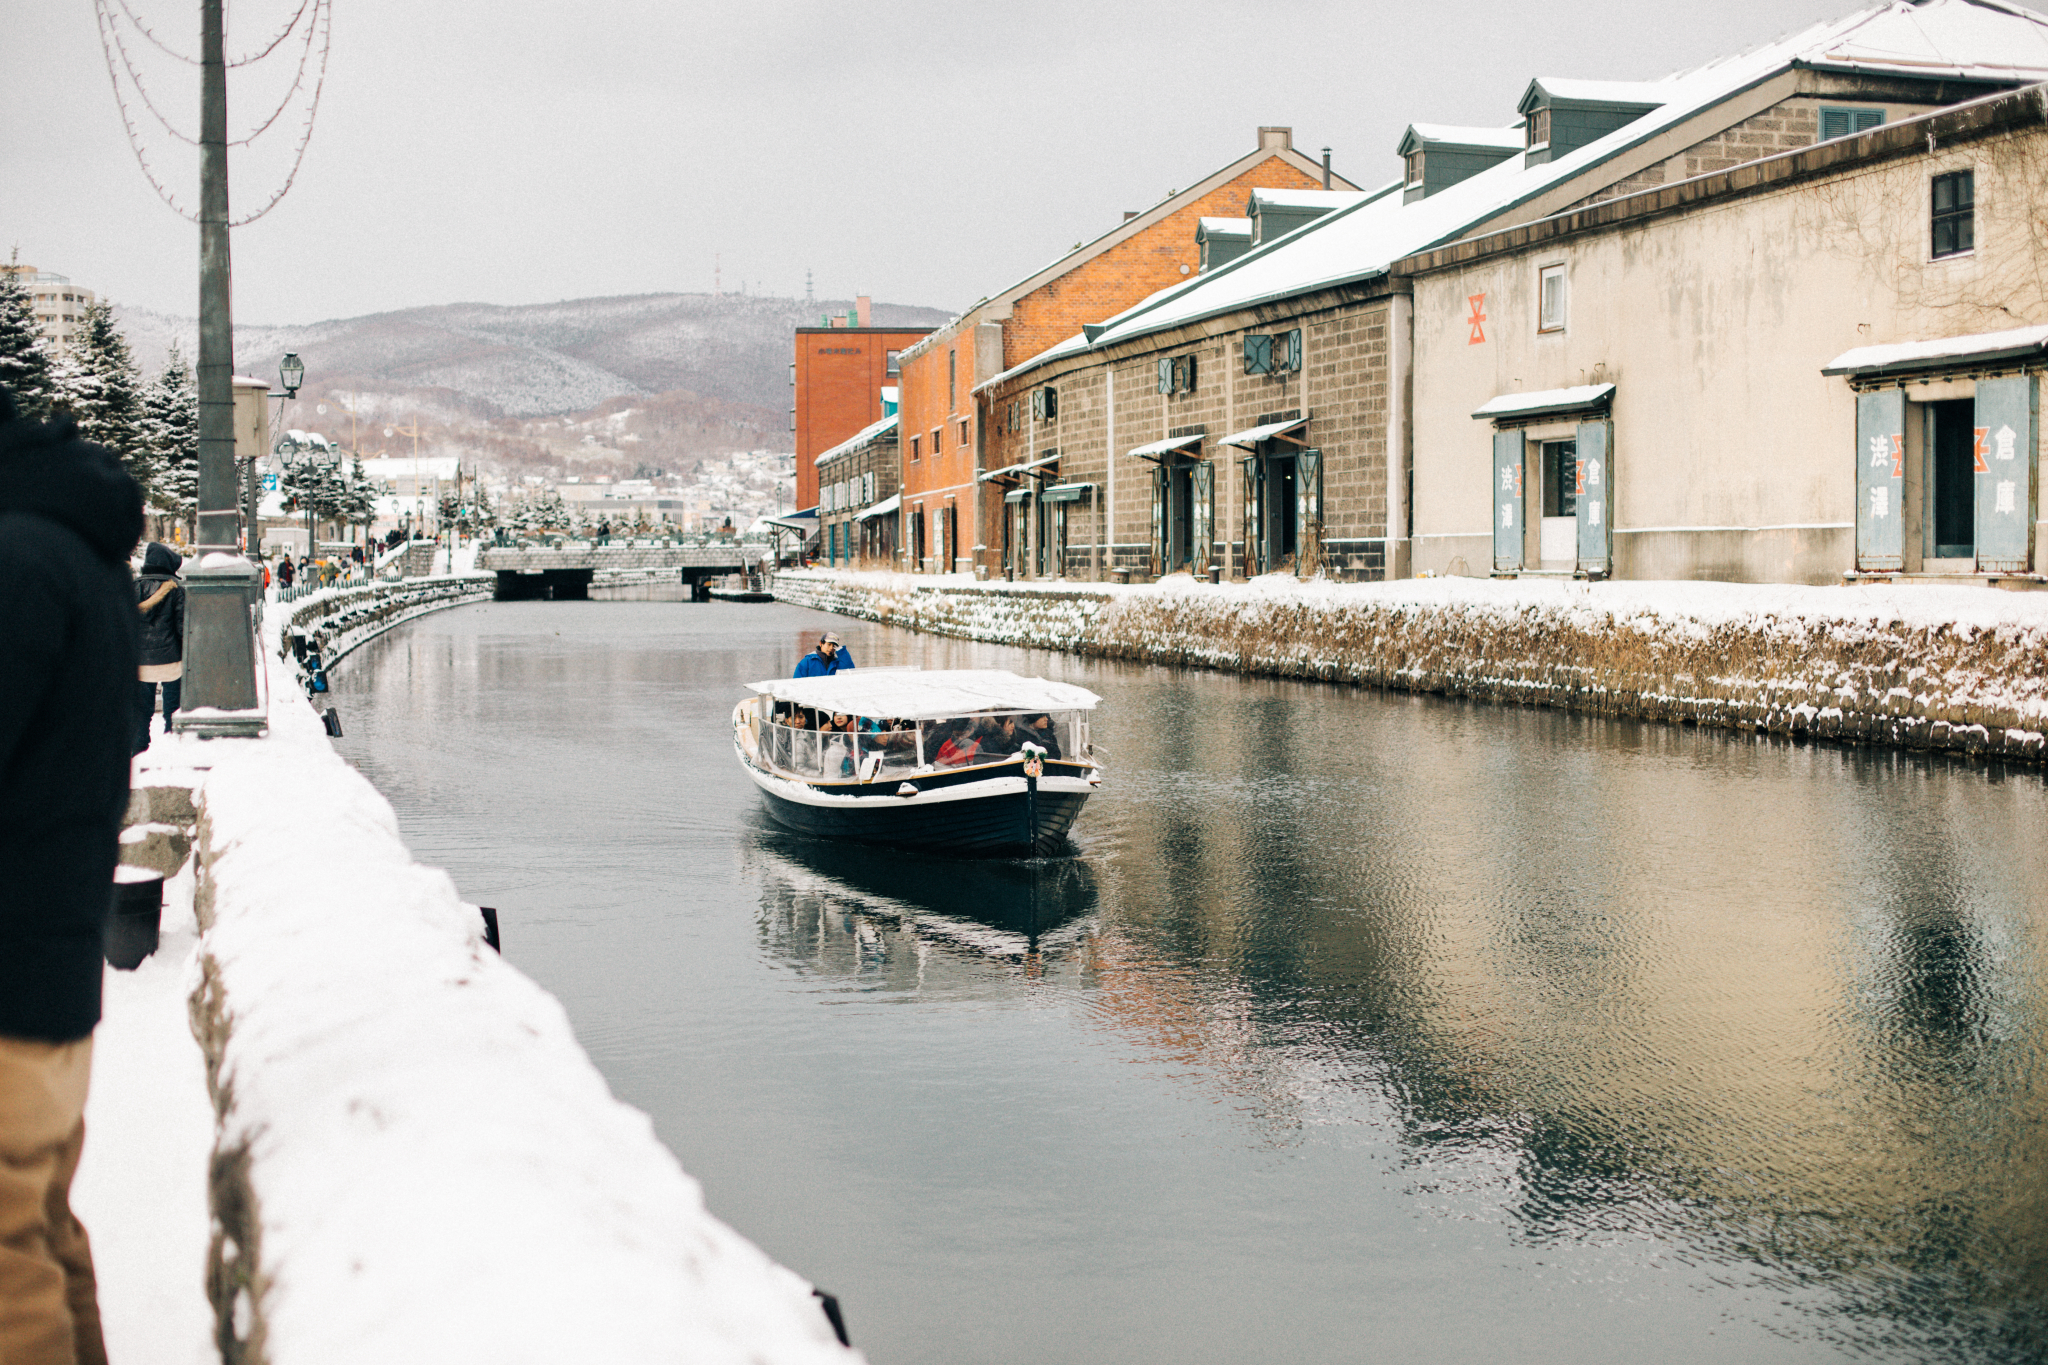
[{"x": 291, "y": 372}]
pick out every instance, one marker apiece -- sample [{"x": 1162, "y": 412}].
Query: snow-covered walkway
[
  {"x": 141, "y": 1185},
  {"x": 412, "y": 1158}
]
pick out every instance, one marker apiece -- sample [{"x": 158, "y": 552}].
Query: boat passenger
[
  {"x": 1039, "y": 730},
  {"x": 959, "y": 747},
  {"x": 797, "y": 719},
  {"x": 828, "y": 658},
  {"x": 999, "y": 737}
]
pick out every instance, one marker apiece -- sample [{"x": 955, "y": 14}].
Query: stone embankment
[
  {"x": 1960, "y": 669},
  {"x": 339, "y": 619}
]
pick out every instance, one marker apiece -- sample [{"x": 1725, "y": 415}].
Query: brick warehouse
[
  {"x": 1295, "y": 365},
  {"x": 838, "y": 372},
  {"x": 951, "y": 520}
]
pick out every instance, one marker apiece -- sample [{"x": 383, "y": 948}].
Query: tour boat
[{"x": 947, "y": 760}]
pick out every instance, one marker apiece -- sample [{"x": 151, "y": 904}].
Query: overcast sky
[{"x": 924, "y": 153}]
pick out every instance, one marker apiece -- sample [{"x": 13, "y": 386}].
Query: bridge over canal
[{"x": 565, "y": 573}]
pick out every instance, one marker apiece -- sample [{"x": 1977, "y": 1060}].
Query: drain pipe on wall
[{"x": 1398, "y": 559}]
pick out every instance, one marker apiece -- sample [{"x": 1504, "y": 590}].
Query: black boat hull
[{"x": 982, "y": 826}]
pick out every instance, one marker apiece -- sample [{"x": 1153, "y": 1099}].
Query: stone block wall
[{"x": 1960, "y": 670}]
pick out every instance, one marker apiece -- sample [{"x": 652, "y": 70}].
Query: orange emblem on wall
[{"x": 1478, "y": 319}]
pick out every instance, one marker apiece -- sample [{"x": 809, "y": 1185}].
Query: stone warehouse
[{"x": 1813, "y": 250}]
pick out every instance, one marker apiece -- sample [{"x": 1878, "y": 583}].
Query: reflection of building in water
[
  {"x": 901, "y": 921},
  {"x": 1550, "y": 968}
]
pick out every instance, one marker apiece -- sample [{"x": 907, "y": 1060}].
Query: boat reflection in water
[{"x": 879, "y": 912}]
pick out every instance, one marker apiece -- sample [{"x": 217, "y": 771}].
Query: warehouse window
[
  {"x": 1848, "y": 122},
  {"x": 1955, "y": 203},
  {"x": 1550, "y": 299}
]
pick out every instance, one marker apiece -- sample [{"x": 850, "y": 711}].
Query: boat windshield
[{"x": 861, "y": 748}]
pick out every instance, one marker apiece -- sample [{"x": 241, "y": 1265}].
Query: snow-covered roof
[
  {"x": 882, "y": 508},
  {"x": 404, "y": 467},
  {"x": 1129, "y": 227},
  {"x": 1455, "y": 135},
  {"x": 1241, "y": 227},
  {"x": 1307, "y": 199},
  {"x": 918, "y": 694},
  {"x": 1544, "y": 400},
  {"x": 1971, "y": 39},
  {"x": 860, "y": 438},
  {"x": 1251, "y": 436},
  {"x": 1937, "y": 38},
  {"x": 1983, "y": 347},
  {"x": 1646, "y": 93}
]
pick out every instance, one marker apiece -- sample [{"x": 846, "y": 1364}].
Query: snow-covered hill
[{"x": 537, "y": 360}]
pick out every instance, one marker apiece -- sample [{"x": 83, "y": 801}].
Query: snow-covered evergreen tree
[
  {"x": 359, "y": 502},
  {"x": 95, "y": 381},
  {"x": 170, "y": 427},
  {"x": 25, "y": 356}
]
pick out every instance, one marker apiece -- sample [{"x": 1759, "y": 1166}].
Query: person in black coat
[
  {"x": 160, "y": 597},
  {"x": 69, "y": 517}
]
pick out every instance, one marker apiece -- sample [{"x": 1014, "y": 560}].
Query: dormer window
[
  {"x": 1539, "y": 130},
  {"x": 1414, "y": 163}
]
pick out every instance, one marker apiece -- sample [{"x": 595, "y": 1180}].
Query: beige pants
[{"x": 49, "y": 1306}]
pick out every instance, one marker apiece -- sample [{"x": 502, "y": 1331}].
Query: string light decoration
[{"x": 312, "y": 21}]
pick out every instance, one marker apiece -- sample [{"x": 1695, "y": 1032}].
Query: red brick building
[
  {"x": 952, "y": 517},
  {"x": 839, "y": 373}
]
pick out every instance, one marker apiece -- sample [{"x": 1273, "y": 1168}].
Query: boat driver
[{"x": 828, "y": 658}]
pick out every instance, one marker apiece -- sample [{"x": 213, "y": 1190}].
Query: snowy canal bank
[
  {"x": 1917, "y": 667},
  {"x": 411, "y": 1156}
]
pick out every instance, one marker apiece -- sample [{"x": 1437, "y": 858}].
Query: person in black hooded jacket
[
  {"x": 69, "y": 517},
  {"x": 160, "y": 597}
]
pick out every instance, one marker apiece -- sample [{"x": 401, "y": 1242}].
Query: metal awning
[
  {"x": 1152, "y": 450},
  {"x": 882, "y": 508},
  {"x": 1017, "y": 495},
  {"x": 1012, "y": 471},
  {"x": 1251, "y": 436},
  {"x": 1544, "y": 403},
  {"x": 805, "y": 521},
  {"x": 1067, "y": 492},
  {"x": 1984, "y": 348}
]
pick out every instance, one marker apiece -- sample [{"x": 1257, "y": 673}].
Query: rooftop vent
[{"x": 1276, "y": 139}]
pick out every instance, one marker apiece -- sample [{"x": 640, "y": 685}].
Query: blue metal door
[
  {"x": 1880, "y": 481},
  {"x": 1507, "y": 502},
  {"x": 1595, "y": 489},
  {"x": 2007, "y": 411}
]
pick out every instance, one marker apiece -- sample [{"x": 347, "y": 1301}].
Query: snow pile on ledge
[
  {"x": 416, "y": 1161},
  {"x": 1935, "y": 667}
]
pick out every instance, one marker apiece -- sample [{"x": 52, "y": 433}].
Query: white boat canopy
[{"x": 919, "y": 694}]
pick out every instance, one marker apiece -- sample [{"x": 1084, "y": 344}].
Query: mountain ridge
[{"x": 496, "y": 361}]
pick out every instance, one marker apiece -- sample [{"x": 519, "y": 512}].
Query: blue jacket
[{"x": 816, "y": 665}]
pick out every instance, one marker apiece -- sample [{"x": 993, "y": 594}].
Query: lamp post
[{"x": 223, "y": 591}]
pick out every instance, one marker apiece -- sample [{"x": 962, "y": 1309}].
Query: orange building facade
[
  {"x": 839, "y": 374},
  {"x": 952, "y": 517}
]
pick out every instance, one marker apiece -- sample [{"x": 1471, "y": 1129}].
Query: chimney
[
  {"x": 1326, "y": 168},
  {"x": 860, "y": 301},
  {"x": 1276, "y": 139}
]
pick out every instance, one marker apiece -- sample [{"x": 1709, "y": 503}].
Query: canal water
[{"x": 1355, "y": 1027}]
